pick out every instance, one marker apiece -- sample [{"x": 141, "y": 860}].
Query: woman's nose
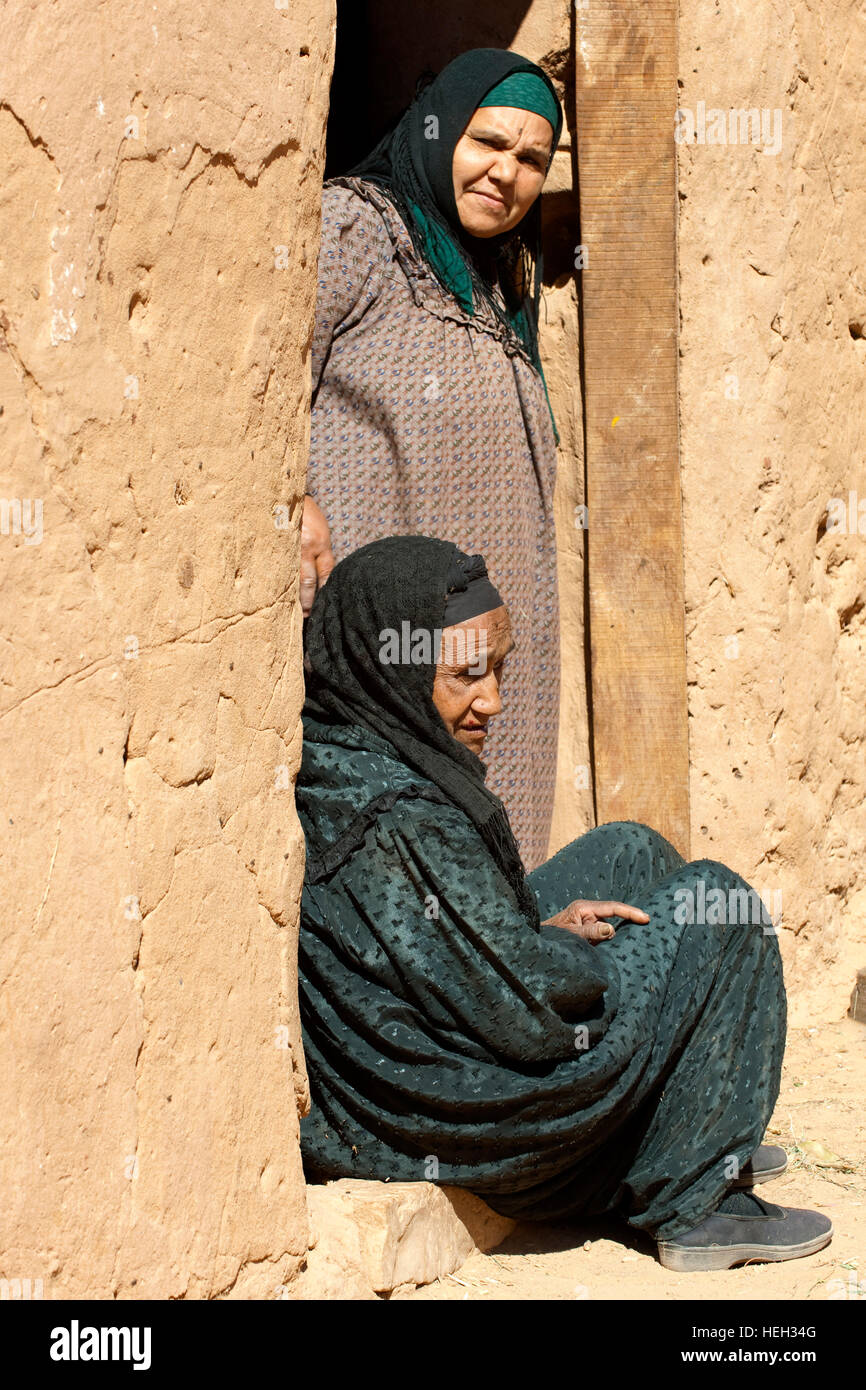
[
  {"x": 504, "y": 168},
  {"x": 488, "y": 700}
]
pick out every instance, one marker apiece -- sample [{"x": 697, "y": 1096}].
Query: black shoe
[
  {"x": 768, "y": 1161},
  {"x": 767, "y": 1233}
]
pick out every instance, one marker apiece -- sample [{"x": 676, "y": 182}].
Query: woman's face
[
  {"x": 466, "y": 686},
  {"x": 499, "y": 167}
]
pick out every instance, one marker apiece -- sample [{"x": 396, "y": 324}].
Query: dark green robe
[{"x": 446, "y": 1039}]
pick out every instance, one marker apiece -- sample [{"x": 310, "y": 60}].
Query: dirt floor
[{"x": 821, "y": 1122}]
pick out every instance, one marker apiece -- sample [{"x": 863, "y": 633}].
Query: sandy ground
[{"x": 820, "y": 1120}]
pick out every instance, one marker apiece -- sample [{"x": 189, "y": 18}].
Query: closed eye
[{"x": 534, "y": 159}]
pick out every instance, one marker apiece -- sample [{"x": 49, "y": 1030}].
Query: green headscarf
[
  {"x": 526, "y": 91},
  {"x": 413, "y": 163}
]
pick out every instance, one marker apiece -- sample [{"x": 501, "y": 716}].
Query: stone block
[{"x": 370, "y": 1238}]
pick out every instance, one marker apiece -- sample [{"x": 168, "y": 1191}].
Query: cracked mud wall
[
  {"x": 773, "y": 422},
  {"x": 158, "y": 241}
]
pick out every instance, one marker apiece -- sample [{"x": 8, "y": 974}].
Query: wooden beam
[{"x": 626, "y": 98}]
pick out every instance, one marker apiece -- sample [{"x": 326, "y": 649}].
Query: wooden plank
[{"x": 626, "y": 98}]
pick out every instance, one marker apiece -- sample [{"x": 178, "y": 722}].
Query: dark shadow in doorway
[{"x": 384, "y": 46}]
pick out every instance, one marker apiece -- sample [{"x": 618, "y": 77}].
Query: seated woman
[{"x": 466, "y": 1023}]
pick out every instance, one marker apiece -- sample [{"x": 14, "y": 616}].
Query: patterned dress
[
  {"x": 449, "y": 1039},
  {"x": 428, "y": 421}
]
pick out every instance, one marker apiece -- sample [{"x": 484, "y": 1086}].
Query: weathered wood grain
[{"x": 625, "y": 57}]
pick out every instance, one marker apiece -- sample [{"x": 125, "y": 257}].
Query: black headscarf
[
  {"x": 412, "y": 168},
  {"x": 375, "y": 589}
]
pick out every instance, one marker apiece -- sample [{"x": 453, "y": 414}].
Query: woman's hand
[
  {"x": 317, "y": 558},
  {"x": 583, "y": 918}
]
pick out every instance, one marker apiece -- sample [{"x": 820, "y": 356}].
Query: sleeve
[
  {"x": 460, "y": 950},
  {"x": 354, "y": 256}
]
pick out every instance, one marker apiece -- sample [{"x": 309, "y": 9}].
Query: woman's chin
[
  {"x": 482, "y": 225},
  {"x": 474, "y": 744},
  {"x": 483, "y": 233}
]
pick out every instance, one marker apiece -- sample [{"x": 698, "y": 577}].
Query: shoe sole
[
  {"x": 685, "y": 1259},
  {"x": 765, "y": 1175}
]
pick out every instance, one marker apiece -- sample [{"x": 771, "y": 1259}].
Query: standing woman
[{"x": 430, "y": 411}]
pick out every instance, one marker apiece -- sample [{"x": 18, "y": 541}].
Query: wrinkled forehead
[{"x": 488, "y": 634}]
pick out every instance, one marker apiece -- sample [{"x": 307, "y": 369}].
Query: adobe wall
[
  {"x": 773, "y": 423},
  {"x": 153, "y": 386}
]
